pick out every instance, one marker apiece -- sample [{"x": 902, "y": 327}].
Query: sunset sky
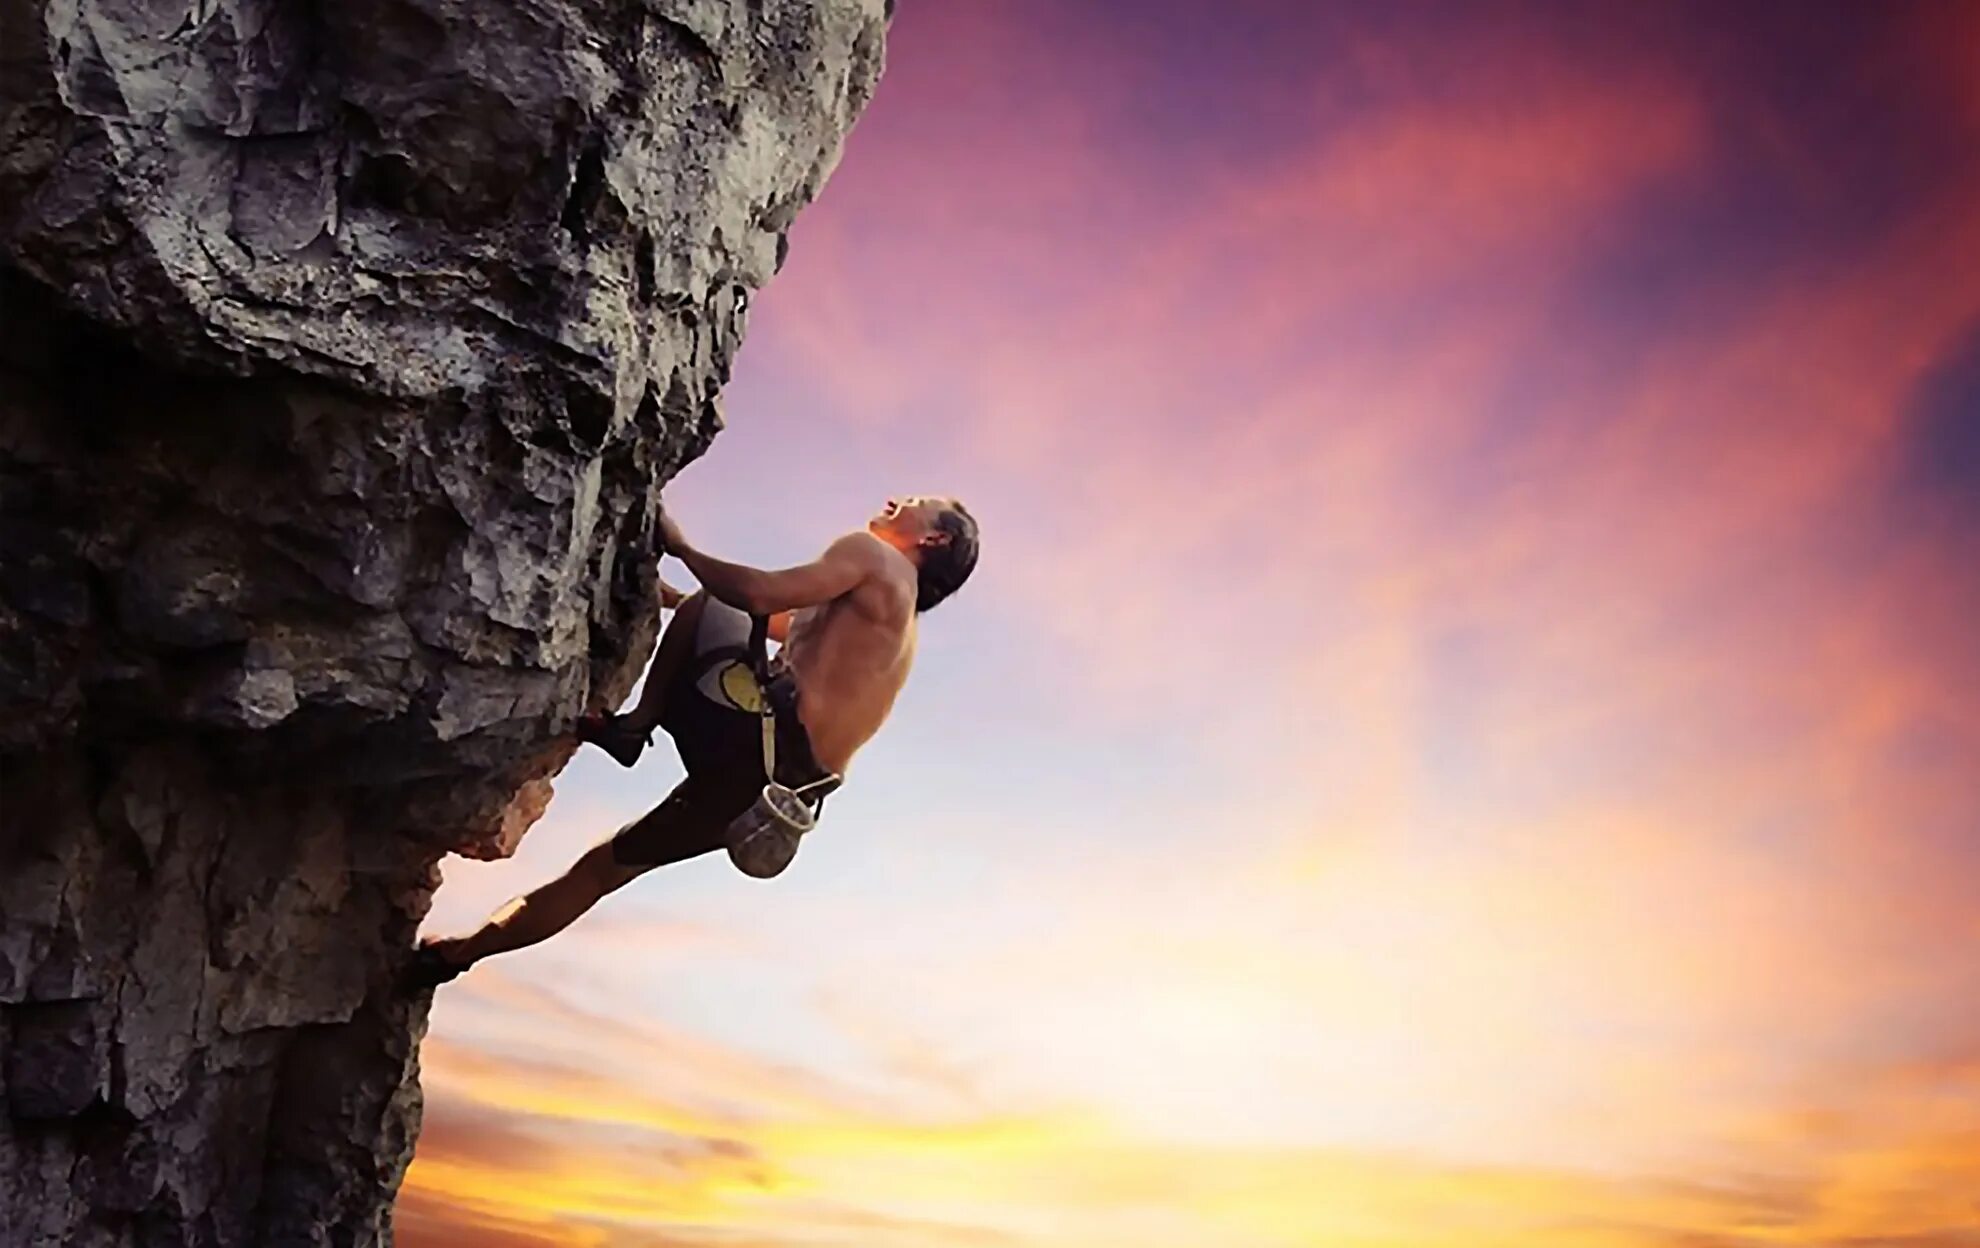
[{"x": 1466, "y": 731}]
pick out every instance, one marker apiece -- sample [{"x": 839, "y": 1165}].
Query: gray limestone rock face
[{"x": 345, "y": 349}]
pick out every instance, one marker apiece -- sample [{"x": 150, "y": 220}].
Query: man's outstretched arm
[{"x": 759, "y": 591}]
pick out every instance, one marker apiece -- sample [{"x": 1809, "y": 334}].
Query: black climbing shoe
[
  {"x": 429, "y": 968},
  {"x": 615, "y": 736}
]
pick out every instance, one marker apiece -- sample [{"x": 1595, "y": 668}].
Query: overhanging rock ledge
[{"x": 344, "y": 350}]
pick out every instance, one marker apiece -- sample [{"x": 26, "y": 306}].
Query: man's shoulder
[
  {"x": 890, "y": 574},
  {"x": 859, "y": 544},
  {"x": 870, "y": 553}
]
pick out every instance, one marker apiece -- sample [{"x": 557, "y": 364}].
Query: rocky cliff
[{"x": 345, "y": 346}]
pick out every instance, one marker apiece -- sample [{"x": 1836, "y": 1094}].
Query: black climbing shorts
[{"x": 713, "y": 713}]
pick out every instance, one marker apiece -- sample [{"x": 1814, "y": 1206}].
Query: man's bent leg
[
  {"x": 675, "y": 649},
  {"x": 625, "y": 737}
]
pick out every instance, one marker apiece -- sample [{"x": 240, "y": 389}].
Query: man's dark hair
[{"x": 945, "y": 567}]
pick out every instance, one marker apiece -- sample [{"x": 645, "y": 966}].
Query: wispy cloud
[{"x": 521, "y": 1148}]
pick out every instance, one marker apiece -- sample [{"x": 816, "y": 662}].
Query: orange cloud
[{"x": 1895, "y": 1157}]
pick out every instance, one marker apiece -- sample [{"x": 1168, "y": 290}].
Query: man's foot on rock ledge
[
  {"x": 616, "y": 735},
  {"x": 428, "y": 968}
]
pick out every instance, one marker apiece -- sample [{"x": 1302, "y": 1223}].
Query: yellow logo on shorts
[{"x": 733, "y": 685}]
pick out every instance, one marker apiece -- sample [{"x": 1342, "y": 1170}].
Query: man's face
[{"x": 907, "y": 522}]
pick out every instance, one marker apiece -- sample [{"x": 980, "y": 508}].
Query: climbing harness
[{"x": 764, "y": 838}]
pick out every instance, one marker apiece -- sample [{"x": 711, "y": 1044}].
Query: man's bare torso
[{"x": 851, "y": 656}]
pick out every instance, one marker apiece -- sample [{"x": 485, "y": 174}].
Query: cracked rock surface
[{"x": 344, "y": 351}]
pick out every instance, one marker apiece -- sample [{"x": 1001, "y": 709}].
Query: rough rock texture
[{"x": 344, "y": 348}]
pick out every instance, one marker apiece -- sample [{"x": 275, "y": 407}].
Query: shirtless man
[{"x": 847, "y": 624}]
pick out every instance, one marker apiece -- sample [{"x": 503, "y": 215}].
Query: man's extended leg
[
  {"x": 540, "y": 913},
  {"x": 690, "y": 822}
]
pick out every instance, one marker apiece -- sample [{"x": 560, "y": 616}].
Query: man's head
[{"x": 939, "y": 534}]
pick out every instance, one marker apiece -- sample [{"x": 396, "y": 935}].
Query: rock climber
[{"x": 846, "y": 623}]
